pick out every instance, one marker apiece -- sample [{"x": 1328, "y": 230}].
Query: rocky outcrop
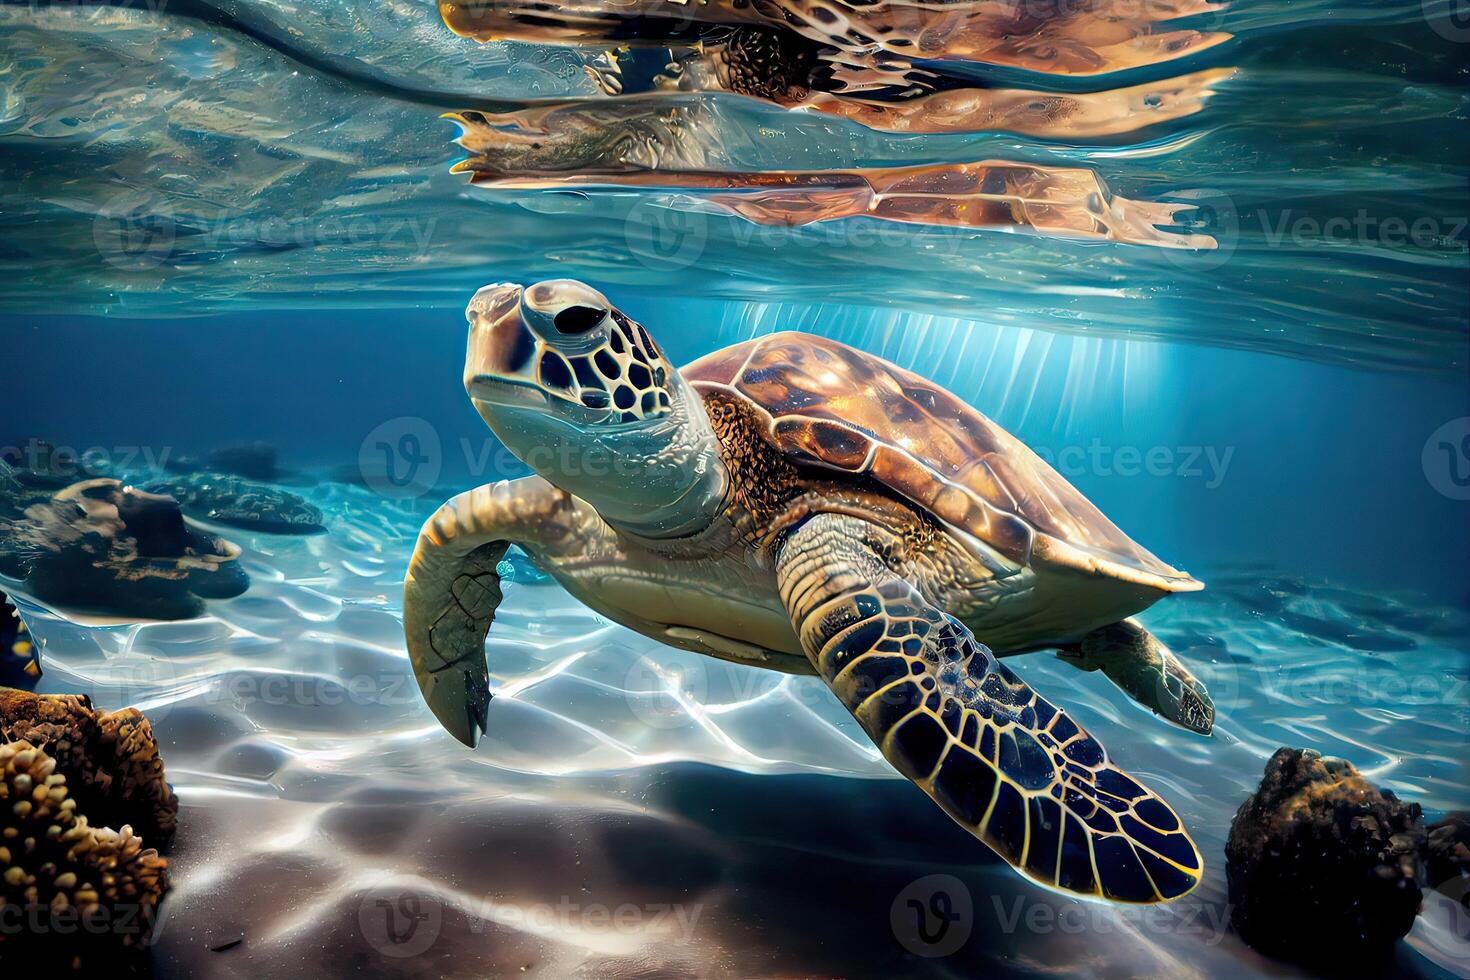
[{"x": 1321, "y": 865}]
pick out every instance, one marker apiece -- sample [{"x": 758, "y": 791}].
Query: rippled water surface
[{"x": 202, "y": 155}]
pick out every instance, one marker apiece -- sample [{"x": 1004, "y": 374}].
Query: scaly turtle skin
[
  {"x": 795, "y": 504},
  {"x": 856, "y": 46},
  {"x": 859, "y": 61}
]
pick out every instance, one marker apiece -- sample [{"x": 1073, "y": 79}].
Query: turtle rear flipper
[
  {"x": 1004, "y": 762},
  {"x": 1147, "y": 671}
]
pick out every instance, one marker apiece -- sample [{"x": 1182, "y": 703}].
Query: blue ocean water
[{"x": 234, "y": 222}]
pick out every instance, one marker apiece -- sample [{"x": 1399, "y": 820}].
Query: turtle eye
[
  {"x": 566, "y": 314},
  {"x": 576, "y": 320}
]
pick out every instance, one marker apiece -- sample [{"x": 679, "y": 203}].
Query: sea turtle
[
  {"x": 766, "y": 47},
  {"x": 796, "y": 504},
  {"x": 761, "y": 52}
]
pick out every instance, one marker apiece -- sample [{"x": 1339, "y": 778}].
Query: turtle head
[{"x": 582, "y": 395}]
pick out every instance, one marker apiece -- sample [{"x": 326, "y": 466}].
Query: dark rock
[
  {"x": 101, "y": 547},
  {"x": 256, "y": 461},
  {"x": 241, "y": 503},
  {"x": 1321, "y": 865},
  {"x": 156, "y": 522},
  {"x": 40, "y": 463},
  {"x": 1447, "y": 850}
]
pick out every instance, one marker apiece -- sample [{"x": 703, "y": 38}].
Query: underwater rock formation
[
  {"x": 255, "y": 461},
  {"x": 68, "y": 776},
  {"x": 1321, "y": 865},
  {"x": 241, "y": 503},
  {"x": 99, "y": 546},
  {"x": 1447, "y": 850},
  {"x": 21, "y": 487},
  {"x": 36, "y": 464}
]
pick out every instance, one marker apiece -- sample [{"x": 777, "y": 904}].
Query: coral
[
  {"x": 110, "y": 759},
  {"x": 1321, "y": 865},
  {"x": 138, "y": 785},
  {"x": 74, "y": 890}
]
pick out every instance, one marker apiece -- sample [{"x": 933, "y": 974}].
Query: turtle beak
[{"x": 500, "y": 348}]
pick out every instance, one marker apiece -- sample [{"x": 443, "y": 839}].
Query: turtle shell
[{"x": 833, "y": 406}]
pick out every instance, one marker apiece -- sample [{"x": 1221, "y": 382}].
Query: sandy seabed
[{"x": 637, "y": 811}]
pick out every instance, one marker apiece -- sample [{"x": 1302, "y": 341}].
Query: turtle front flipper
[
  {"x": 1005, "y": 763},
  {"x": 452, "y": 590},
  {"x": 1147, "y": 671}
]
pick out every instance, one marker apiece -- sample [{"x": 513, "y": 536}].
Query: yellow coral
[{"x": 69, "y": 881}]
